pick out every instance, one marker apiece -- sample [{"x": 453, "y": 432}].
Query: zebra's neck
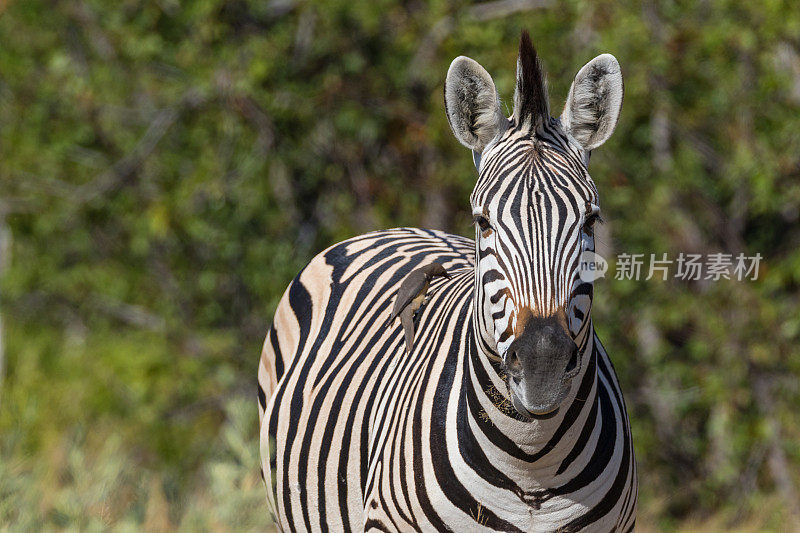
[{"x": 537, "y": 448}]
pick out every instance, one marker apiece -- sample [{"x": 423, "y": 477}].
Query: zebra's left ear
[{"x": 594, "y": 102}]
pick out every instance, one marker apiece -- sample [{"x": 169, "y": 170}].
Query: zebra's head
[{"x": 534, "y": 206}]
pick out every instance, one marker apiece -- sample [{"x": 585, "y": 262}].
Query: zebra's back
[{"x": 335, "y": 382}]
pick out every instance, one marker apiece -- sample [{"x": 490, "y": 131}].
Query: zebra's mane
[{"x": 531, "y": 102}]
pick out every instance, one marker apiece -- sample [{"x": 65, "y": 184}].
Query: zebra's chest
[{"x": 434, "y": 469}]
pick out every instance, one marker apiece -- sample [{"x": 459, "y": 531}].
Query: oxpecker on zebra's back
[{"x": 411, "y": 295}]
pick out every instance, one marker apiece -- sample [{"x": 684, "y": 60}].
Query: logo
[{"x": 592, "y": 266}]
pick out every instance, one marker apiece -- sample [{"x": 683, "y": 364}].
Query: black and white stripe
[{"x": 356, "y": 434}]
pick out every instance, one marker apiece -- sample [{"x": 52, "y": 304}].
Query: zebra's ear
[
  {"x": 594, "y": 102},
  {"x": 472, "y": 104}
]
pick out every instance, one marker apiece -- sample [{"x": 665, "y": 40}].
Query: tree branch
[
  {"x": 776, "y": 458},
  {"x": 5, "y": 259},
  {"x": 124, "y": 168}
]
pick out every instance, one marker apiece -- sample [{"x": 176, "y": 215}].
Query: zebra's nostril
[
  {"x": 572, "y": 364},
  {"x": 512, "y": 361}
]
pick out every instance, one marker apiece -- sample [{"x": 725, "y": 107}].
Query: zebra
[{"x": 506, "y": 414}]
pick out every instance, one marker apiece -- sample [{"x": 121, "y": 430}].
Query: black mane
[{"x": 531, "y": 102}]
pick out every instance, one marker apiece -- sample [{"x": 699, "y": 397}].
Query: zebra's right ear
[{"x": 472, "y": 104}]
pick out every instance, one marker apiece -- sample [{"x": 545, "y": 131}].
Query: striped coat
[
  {"x": 506, "y": 414},
  {"x": 358, "y": 435}
]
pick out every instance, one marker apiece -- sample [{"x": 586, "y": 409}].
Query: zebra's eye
[
  {"x": 588, "y": 225},
  {"x": 483, "y": 224}
]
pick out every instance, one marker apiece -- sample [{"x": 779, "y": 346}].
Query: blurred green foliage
[{"x": 165, "y": 170}]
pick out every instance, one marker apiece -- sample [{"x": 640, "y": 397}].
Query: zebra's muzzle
[{"x": 541, "y": 363}]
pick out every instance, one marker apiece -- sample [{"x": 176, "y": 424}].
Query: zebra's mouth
[
  {"x": 530, "y": 415},
  {"x": 535, "y": 410}
]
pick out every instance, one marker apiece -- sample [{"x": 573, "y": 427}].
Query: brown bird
[{"x": 411, "y": 296}]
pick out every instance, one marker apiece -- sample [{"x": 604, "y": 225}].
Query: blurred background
[{"x": 166, "y": 169}]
